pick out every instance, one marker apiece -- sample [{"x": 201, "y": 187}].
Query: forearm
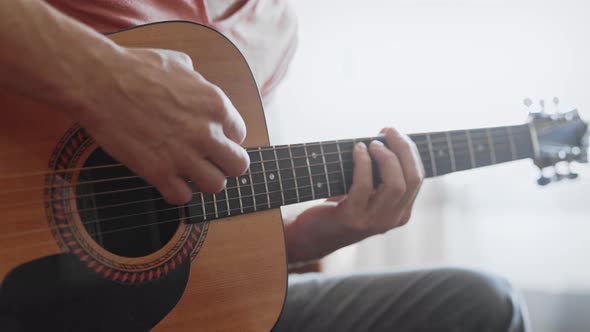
[
  {"x": 47, "y": 55},
  {"x": 301, "y": 252}
]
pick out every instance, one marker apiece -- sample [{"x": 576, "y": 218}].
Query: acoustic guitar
[{"x": 86, "y": 245}]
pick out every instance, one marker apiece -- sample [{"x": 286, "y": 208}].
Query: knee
[{"x": 491, "y": 301}]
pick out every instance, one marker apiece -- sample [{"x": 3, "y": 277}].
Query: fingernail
[
  {"x": 377, "y": 143},
  {"x": 361, "y": 146}
]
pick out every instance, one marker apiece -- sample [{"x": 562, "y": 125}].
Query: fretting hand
[{"x": 365, "y": 211}]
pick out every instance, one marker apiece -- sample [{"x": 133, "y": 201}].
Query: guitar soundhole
[{"x": 120, "y": 211}]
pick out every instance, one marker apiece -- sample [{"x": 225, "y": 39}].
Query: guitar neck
[
  {"x": 453, "y": 151},
  {"x": 288, "y": 174}
]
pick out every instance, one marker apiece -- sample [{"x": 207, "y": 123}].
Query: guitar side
[{"x": 238, "y": 279}]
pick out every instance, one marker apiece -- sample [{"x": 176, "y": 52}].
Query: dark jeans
[{"x": 444, "y": 299}]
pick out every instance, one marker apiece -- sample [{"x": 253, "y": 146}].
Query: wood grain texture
[{"x": 238, "y": 280}]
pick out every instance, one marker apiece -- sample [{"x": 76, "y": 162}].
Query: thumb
[{"x": 336, "y": 198}]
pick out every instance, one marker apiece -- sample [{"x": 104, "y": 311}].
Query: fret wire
[
  {"x": 341, "y": 166},
  {"x": 239, "y": 194},
  {"x": 309, "y": 169},
  {"x": 279, "y": 175},
  {"x": 215, "y": 206},
  {"x": 203, "y": 206},
  {"x": 227, "y": 201},
  {"x": 470, "y": 147},
  {"x": 326, "y": 170},
  {"x": 534, "y": 140},
  {"x": 354, "y": 142},
  {"x": 512, "y": 146},
  {"x": 451, "y": 153},
  {"x": 492, "y": 150},
  {"x": 294, "y": 175},
  {"x": 264, "y": 176},
  {"x": 253, "y": 191},
  {"x": 432, "y": 160}
]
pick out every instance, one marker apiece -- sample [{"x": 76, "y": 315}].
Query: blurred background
[{"x": 423, "y": 66}]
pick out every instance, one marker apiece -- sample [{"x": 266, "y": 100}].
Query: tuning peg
[
  {"x": 571, "y": 174},
  {"x": 559, "y": 176},
  {"x": 527, "y": 102},
  {"x": 543, "y": 180},
  {"x": 556, "y": 105}
]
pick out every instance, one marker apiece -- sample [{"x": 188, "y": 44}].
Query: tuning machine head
[
  {"x": 541, "y": 112},
  {"x": 556, "y": 176},
  {"x": 558, "y": 139}
]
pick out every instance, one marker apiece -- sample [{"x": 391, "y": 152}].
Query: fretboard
[{"x": 287, "y": 174}]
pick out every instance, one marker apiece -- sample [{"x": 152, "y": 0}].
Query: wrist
[{"x": 313, "y": 235}]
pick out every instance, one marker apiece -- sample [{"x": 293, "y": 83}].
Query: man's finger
[
  {"x": 362, "y": 178},
  {"x": 231, "y": 158},
  {"x": 234, "y": 126},
  {"x": 393, "y": 186},
  {"x": 409, "y": 158},
  {"x": 206, "y": 176}
]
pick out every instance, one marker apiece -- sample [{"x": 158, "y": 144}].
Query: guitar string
[
  {"x": 265, "y": 207},
  {"x": 345, "y": 161},
  {"x": 240, "y": 196},
  {"x": 113, "y": 179},
  {"x": 222, "y": 201},
  {"x": 520, "y": 129},
  {"x": 425, "y": 159}
]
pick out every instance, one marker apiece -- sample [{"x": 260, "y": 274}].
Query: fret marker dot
[
  {"x": 479, "y": 148},
  {"x": 271, "y": 176},
  {"x": 314, "y": 155},
  {"x": 440, "y": 153},
  {"x": 244, "y": 181},
  {"x": 319, "y": 184}
]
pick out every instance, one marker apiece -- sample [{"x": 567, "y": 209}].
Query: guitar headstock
[{"x": 558, "y": 140}]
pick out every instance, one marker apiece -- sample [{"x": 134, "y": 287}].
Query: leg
[{"x": 442, "y": 300}]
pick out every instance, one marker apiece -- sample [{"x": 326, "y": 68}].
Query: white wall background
[{"x": 425, "y": 65}]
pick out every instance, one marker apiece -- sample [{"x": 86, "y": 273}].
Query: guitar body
[{"x": 227, "y": 274}]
